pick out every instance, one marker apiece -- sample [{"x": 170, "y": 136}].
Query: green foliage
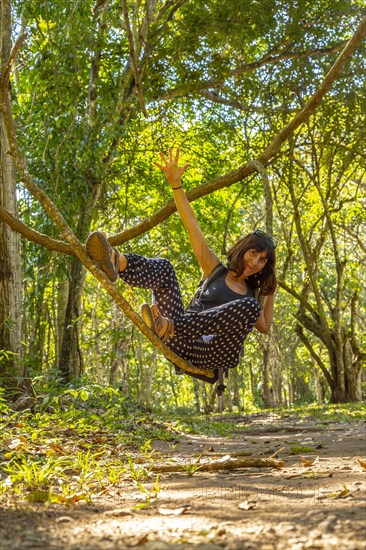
[
  {"x": 99, "y": 442},
  {"x": 332, "y": 412},
  {"x": 301, "y": 449},
  {"x": 235, "y": 73}
]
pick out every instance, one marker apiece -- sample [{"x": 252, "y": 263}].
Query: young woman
[{"x": 210, "y": 333}]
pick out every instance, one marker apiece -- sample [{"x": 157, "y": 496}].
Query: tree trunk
[
  {"x": 71, "y": 360},
  {"x": 235, "y": 389},
  {"x": 275, "y": 368},
  {"x": 120, "y": 342},
  {"x": 352, "y": 373},
  {"x": 196, "y": 391},
  {"x": 37, "y": 330},
  {"x": 62, "y": 299},
  {"x": 266, "y": 393},
  {"x": 347, "y": 385},
  {"x": 11, "y": 374},
  {"x": 318, "y": 386}
]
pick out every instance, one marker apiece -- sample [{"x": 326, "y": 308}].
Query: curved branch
[
  {"x": 300, "y": 298},
  {"x": 133, "y": 56},
  {"x": 314, "y": 355},
  {"x": 271, "y": 151},
  {"x": 30, "y": 234},
  {"x": 14, "y": 52},
  {"x": 315, "y": 328}
]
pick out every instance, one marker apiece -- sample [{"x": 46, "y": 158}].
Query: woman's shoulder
[{"x": 218, "y": 270}]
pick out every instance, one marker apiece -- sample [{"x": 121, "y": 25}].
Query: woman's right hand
[{"x": 171, "y": 169}]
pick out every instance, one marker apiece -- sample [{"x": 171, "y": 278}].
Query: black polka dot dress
[{"x": 208, "y": 339}]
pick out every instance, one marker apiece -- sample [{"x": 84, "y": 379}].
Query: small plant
[
  {"x": 88, "y": 467},
  {"x": 148, "y": 495},
  {"x": 36, "y": 477},
  {"x": 115, "y": 472},
  {"x": 191, "y": 468},
  {"x": 299, "y": 449},
  {"x": 146, "y": 450},
  {"x": 137, "y": 472}
]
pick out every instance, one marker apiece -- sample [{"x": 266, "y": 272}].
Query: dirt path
[{"x": 317, "y": 505}]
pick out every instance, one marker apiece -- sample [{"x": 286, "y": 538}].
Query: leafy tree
[{"x": 323, "y": 181}]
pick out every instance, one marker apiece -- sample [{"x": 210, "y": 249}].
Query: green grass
[
  {"x": 340, "y": 412},
  {"x": 75, "y": 445}
]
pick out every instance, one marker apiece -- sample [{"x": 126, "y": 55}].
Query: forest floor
[{"x": 313, "y": 498}]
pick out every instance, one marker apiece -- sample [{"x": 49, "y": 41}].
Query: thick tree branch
[
  {"x": 315, "y": 328},
  {"x": 133, "y": 56},
  {"x": 14, "y": 52},
  {"x": 271, "y": 151},
  {"x": 52, "y": 245},
  {"x": 300, "y": 298},
  {"x": 314, "y": 355}
]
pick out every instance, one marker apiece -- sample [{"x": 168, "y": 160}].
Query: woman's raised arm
[{"x": 206, "y": 258}]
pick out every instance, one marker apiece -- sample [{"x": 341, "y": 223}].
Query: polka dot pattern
[{"x": 208, "y": 339}]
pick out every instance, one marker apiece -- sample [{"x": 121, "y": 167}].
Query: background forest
[{"x": 96, "y": 91}]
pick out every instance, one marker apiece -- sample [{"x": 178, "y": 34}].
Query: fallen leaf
[
  {"x": 173, "y": 511},
  {"x": 70, "y": 499},
  {"x": 340, "y": 494},
  {"x": 57, "y": 448},
  {"x": 224, "y": 458},
  {"x": 307, "y": 462},
  {"x": 246, "y": 505},
  {"x": 142, "y": 540}
]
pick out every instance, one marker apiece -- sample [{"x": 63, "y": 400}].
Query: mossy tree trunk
[{"x": 11, "y": 373}]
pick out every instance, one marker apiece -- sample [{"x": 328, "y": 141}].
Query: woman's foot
[
  {"x": 162, "y": 326},
  {"x": 104, "y": 255}
]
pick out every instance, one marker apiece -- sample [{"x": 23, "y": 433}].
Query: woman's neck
[{"x": 236, "y": 283}]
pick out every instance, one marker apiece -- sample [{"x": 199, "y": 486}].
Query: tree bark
[
  {"x": 70, "y": 361},
  {"x": 11, "y": 374}
]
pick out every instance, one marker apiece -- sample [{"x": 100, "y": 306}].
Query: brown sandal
[
  {"x": 99, "y": 249},
  {"x": 155, "y": 324}
]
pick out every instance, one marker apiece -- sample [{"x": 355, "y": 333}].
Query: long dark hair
[{"x": 265, "y": 280}]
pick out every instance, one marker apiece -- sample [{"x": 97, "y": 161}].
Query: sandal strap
[
  {"x": 153, "y": 323},
  {"x": 116, "y": 260},
  {"x": 148, "y": 317},
  {"x": 168, "y": 332}
]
